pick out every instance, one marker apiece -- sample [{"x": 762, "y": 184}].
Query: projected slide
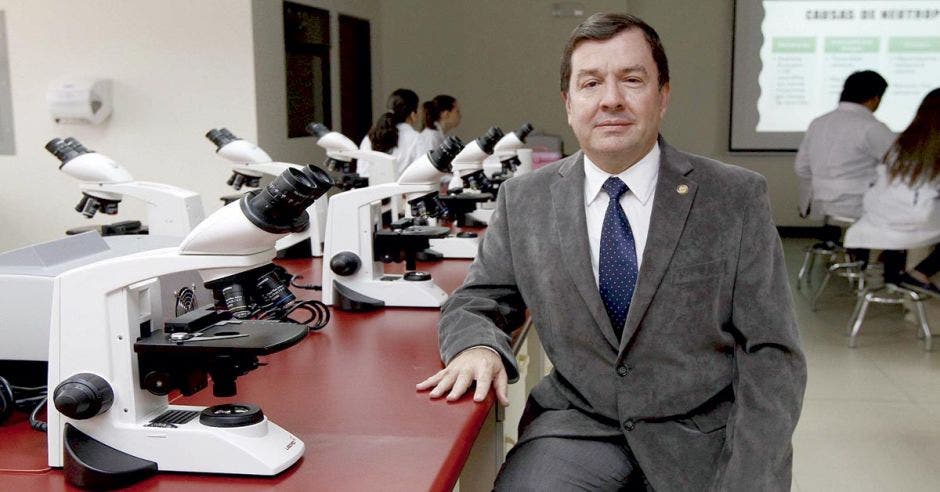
[
  {"x": 792, "y": 56},
  {"x": 810, "y": 47}
]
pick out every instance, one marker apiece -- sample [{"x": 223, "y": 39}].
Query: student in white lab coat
[
  {"x": 441, "y": 115},
  {"x": 394, "y": 132},
  {"x": 902, "y": 208}
]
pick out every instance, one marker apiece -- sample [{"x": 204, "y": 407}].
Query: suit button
[
  {"x": 622, "y": 370},
  {"x": 629, "y": 425}
]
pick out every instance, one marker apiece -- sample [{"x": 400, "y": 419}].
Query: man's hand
[{"x": 475, "y": 364}]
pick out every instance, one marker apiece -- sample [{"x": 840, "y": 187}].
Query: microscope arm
[{"x": 171, "y": 211}]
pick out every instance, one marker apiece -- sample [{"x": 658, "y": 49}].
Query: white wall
[
  {"x": 271, "y": 81},
  {"x": 179, "y": 68}
]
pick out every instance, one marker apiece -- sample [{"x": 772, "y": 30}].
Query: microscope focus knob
[
  {"x": 83, "y": 396},
  {"x": 345, "y": 263}
]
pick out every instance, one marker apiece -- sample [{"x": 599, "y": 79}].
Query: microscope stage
[{"x": 264, "y": 337}]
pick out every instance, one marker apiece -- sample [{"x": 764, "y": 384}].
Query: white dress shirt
[
  {"x": 837, "y": 159},
  {"x": 637, "y": 203},
  {"x": 403, "y": 152}
]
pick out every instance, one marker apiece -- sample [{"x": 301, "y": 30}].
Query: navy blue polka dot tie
[{"x": 618, "y": 265}]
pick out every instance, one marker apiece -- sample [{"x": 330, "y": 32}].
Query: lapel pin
[{"x": 682, "y": 189}]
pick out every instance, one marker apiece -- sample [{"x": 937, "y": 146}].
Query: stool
[
  {"x": 889, "y": 294},
  {"x": 831, "y": 251}
]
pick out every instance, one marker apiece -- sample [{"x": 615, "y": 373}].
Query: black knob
[
  {"x": 345, "y": 263},
  {"x": 83, "y": 396},
  {"x": 158, "y": 383}
]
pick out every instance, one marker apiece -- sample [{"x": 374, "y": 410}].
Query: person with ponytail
[
  {"x": 903, "y": 205},
  {"x": 394, "y": 132},
  {"x": 441, "y": 115}
]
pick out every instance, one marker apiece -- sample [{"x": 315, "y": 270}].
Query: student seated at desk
[
  {"x": 441, "y": 115},
  {"x": 901, "y": 207},
  {"x": 393, "y": 132}
]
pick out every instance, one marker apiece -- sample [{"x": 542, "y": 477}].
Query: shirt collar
[
  {"x": 405, "y": 127},
  {"x": 854, "y": 107},
  {"x": 640, "y": 177}
]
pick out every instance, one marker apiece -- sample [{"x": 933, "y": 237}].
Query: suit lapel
[
  {"x": 670, "y": 211},
  {"x": 568, "y": 208}
]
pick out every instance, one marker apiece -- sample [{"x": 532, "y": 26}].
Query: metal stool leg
[
  {"x": 805, "y": 269},
  {"x": 821, "y": 288},
  {"x": 857, "y": 325},
  {"x": 922, "y": 316}
]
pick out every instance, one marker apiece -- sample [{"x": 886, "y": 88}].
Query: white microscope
[
  {"x": 171, "y": 211},
  {"x": 113, "y": 357},
  {"x": 499, "y": 167},
  {"x": 356, "y": 246},
  {"x": 468, "y": 188},
  {"x": 251, "y": 164},
  {"x": 342, "y": 154}
]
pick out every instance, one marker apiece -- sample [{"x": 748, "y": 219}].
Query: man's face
[{"x": 614, "y": 102}]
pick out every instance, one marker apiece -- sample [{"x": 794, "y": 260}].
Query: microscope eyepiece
[
  {"x": 280, "y": 206},
  {"x": 76, "y": 145},
  {"x": 524, "y": 131},
  {"x": 221, "y": 137},
  {"x": 442, "y": 156},
  {"x": 63, "y": 150},
  {"x": 318, "y": 130},
  {"x": 489, "y": 139}
]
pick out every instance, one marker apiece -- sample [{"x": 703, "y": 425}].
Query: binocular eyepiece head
[
  {"x": 280, "y": 207},
  {"x": 65, "y": 150},
  {"x": 524, "y": 131},
  {"x": 442, "y": 156},
  {"x": 221, "y": 137},
  {"x": 318, "y": 130},
  {"x": 488, "y": 140}
]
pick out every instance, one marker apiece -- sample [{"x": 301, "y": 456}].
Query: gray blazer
[{"x": 707, "y": 383}]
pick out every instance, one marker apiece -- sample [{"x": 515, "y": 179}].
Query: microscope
[
  {"x": 251, "y": 164},
  {"x": 171, "y": 211},
  {"x": 114, "y": 358},
  {"x": 467, "y": 189},
  {"x": 353, "y": 275},
  {"x": 499, "y": 167},
  {"x": 341, "y": 156}
]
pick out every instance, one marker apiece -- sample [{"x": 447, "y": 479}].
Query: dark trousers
[
  {"x": 555, "y": 463},
  {"x": 895, "y": 260},
  {"x": 833, "y": 234}
]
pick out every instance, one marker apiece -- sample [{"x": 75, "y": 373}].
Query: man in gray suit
[{"x": 657, "y": 284}]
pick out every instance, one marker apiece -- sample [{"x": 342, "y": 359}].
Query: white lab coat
[
  {"x": 837, "y": 159},
  {"x": 428, "y": 140},
  {"x": 897, "y": 216},
  {"x": 403, "y": 152}
]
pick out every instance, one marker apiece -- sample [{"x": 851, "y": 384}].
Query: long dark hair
[
  {"x": 384, "y": 133},
  {"x": 915, "y": 155},
  {"x": 434, "y": 108}
]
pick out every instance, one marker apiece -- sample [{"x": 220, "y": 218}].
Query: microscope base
[
  {"x": 456, "y": 247},
  {"x": 92, "y": 465},
  {"x": 395, "y": 291},
  {"x": 262, "y": 448},
  {"x": 482, "y": 215}
]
